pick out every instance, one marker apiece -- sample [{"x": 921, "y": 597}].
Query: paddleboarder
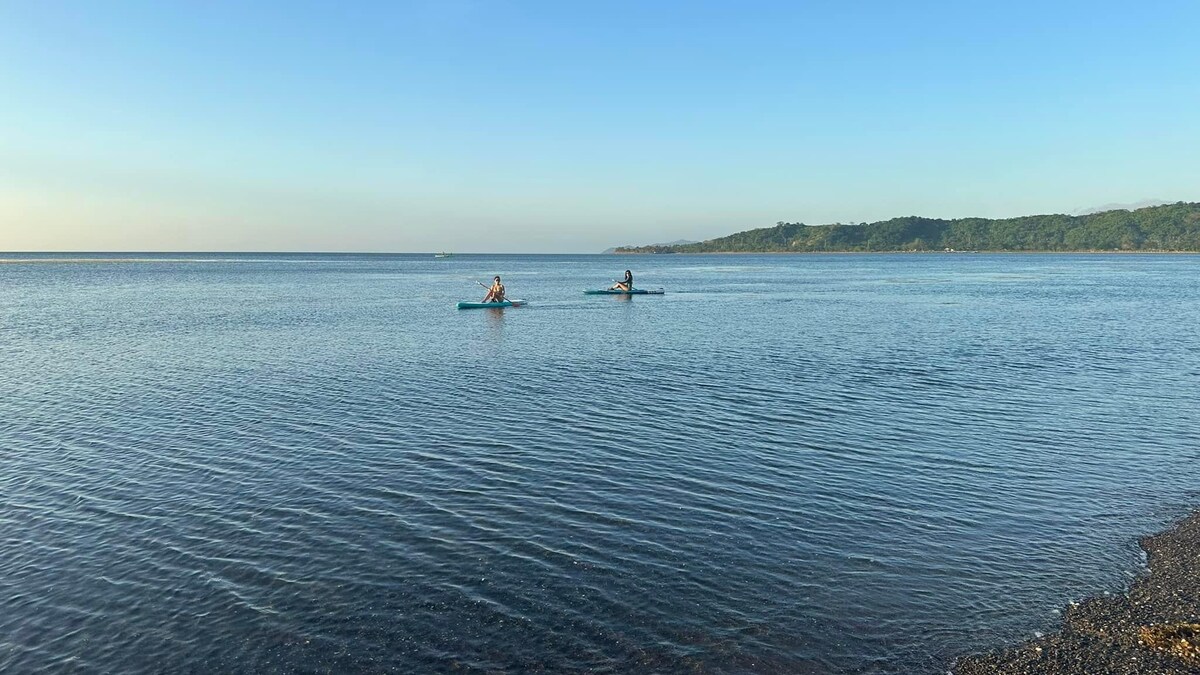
[
  {"x": 496, "y": 292},
  {"x": 626, "y": 285}
]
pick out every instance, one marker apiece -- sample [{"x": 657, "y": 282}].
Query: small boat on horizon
[{"x": 443, "y": 254}]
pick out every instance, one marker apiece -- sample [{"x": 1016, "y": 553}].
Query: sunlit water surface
[{"x": 794, "y": 464}]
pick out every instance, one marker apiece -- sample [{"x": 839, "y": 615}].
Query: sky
[{"x": 506, "y": 126}]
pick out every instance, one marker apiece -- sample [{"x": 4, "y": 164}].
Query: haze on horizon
[{"x": 568, "y": 127}]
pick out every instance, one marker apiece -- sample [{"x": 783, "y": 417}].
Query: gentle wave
[{"x": 796, "y": 464}]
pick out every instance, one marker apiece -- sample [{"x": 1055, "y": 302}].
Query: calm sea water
[{"x": 795, "y": 464}]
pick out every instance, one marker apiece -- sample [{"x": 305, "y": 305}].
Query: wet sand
[{"x": 1154, "y": 629}]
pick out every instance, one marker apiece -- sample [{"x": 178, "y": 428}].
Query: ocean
[{"x": 785, "y": 464}]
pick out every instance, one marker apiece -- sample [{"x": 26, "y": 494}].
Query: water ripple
[{"x": 809, "y": 464}]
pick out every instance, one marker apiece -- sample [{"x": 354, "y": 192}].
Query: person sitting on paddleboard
[
  {"x": 496, "y": 292},
  {"x": 626, "y": 285}
]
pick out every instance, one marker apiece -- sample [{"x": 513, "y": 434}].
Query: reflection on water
[
  {"x": 785, "y": 464},
  {"x": 495, "y": 320}
]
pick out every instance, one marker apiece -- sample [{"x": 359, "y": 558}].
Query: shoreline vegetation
[
  {"x": 1169, "y": 228},
  {"x": 1154, "y": 628}
]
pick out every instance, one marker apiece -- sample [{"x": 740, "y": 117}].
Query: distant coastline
[
  {"x": 1148, "y": 251},
  {"x": 1168, "y": 228}
]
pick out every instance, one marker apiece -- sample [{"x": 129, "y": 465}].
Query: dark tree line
[{"x": 1171, "y": 227}]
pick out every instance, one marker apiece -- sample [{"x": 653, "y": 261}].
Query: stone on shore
[{"x": 1154, "y": 629}]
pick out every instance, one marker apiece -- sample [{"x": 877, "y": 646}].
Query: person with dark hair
[
  {"x": 496, "y": 292},
  {"x": 626, "y": 284}
]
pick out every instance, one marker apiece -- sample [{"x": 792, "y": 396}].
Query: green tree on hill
[{"x": 1170, "y": 227}]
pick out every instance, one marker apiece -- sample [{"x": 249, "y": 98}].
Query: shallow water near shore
[{"x": 800, "y": 464}]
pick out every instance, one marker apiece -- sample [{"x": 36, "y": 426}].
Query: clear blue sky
[{"x": 569, "y": 126}]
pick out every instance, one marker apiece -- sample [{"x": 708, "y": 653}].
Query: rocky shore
[{"x": 1154, "y": 629}]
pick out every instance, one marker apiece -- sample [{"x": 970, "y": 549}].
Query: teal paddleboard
[
  {"x": 636, "y": 291},
  {"x": 490, "y": 305}
]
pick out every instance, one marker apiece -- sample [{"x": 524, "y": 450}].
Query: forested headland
[{"x": 1170, "y": 227}]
